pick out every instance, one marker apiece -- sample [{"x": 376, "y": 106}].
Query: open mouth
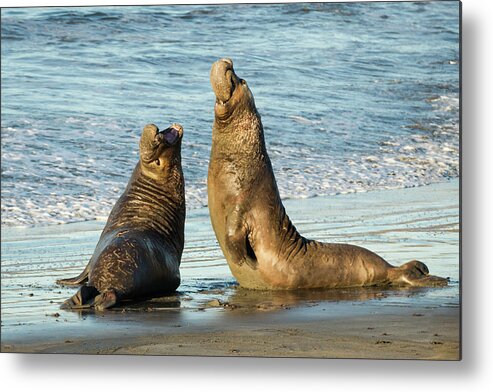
[{"x": 171, "y": 135}]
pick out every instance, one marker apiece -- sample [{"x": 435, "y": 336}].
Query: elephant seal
[
  {"x": 139, "y": 252},
  {"x": 261, "y": 245}
]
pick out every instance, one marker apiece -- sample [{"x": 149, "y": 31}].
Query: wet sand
[
  {"x": 211, "y": 315},
  {"x": 389, "y": 333}
]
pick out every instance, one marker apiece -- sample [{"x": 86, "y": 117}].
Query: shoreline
[
  {"x": 211, "y": 315},
  {"x": 99, "y": 219}
]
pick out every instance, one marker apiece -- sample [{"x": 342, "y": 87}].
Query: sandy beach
[
  {"x": 392, "y": 333},
  {"x": 210, "y": 315}
]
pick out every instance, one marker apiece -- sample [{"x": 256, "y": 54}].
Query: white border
[{"x": 473, "y": 373}]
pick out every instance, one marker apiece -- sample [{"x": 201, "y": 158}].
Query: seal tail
[
  {"x": 77, "y": 280},
  {"x": 415, "y": 273},
  {"x": 89, "y": 297}
]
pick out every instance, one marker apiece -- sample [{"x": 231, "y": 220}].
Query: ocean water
[{"x": 354, "y": 97}]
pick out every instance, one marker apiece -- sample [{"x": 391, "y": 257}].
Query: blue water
[{"x": 353, "y": 97}]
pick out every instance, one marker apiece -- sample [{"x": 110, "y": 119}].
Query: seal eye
[{"x": 157, "y": 162}]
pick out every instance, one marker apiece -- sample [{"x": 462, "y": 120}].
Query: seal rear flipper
[
  {"x": 415, "y": 273},
  {"x": 90, "y": 297},
  {"x": 77, "y": 280},
  {"x": 83, "y": 299},
  {"x": 105, "y": 300}
]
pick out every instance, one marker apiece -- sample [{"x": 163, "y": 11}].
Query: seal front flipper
[
  {"x": 77, "y": 280},
  {"x": 238, "y": 241},
  {"x": 241, "y": 250},
  {"x": 84, "y": 298}
]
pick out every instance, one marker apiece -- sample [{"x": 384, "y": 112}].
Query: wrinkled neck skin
[
  {"x": 154, "y": 200},
  {"x": 238, "y": 139},
  {"x": 169, "y": 172}
]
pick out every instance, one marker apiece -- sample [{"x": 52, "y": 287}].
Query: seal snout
[
  {"x": 223, "y": 79},
  {"x": 149, "y": 134}
]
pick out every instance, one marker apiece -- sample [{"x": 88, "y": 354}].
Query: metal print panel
[{"x": 334, "y": 123}]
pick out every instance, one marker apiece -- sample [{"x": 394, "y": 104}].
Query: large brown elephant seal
[
  {"x": 139, "y": 252},
  {"x": 262, "y": 247}
]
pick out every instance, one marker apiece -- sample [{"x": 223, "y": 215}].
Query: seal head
[
  {"x": 232, "y": 93},
  {"x": 159, "y": 149}
]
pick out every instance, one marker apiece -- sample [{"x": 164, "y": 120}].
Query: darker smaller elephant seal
[{"x": 139, "y": 252}]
